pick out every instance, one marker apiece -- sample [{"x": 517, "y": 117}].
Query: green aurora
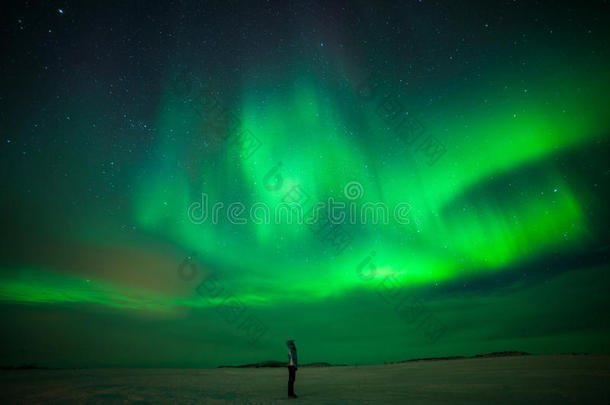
[{"x": 506, "y": 246}]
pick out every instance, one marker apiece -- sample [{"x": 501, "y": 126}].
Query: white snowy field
[{"x": 556, "y": 379}]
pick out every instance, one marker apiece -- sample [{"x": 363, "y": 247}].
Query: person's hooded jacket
[{"x": 292, "y": 353}]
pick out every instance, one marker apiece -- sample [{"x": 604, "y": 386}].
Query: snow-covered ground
[{"x": 557, "y": 379}]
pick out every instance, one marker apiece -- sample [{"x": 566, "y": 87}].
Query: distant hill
[
  {"x": 269, "y": 363},
  {"x": 273, "y": 363},
  {"x": 476, "y": 356},
  {"x": 24, "y": 367}
]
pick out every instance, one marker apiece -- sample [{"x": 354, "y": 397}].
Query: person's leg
[{"x": 291, "y": 378}]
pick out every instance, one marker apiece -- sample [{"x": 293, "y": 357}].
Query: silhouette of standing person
[{"x": 292, "y": 367}]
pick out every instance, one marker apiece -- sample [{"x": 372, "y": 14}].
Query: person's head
[{"x": 290, "y": 344}]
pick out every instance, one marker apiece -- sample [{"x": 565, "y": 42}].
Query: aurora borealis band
[{"x": 490, "y": 122}]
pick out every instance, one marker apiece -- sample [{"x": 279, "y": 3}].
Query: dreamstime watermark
[
  {"x": 336, "y": 235},
  {"x": 290, "y": 212},
  {"x": 220, "y": 124},
  {"x": 230, "y": 308},
  {"x": 411, "y": 309},
  {"x": 395, "y": 116}
]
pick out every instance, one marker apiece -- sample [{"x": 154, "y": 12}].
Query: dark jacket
[{"x": 292, "y": 353}]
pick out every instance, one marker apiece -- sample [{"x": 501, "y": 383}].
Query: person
[{"x": 292, "y": 367}]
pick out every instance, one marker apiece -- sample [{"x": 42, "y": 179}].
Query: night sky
[{"x": 488, "y": 121}]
